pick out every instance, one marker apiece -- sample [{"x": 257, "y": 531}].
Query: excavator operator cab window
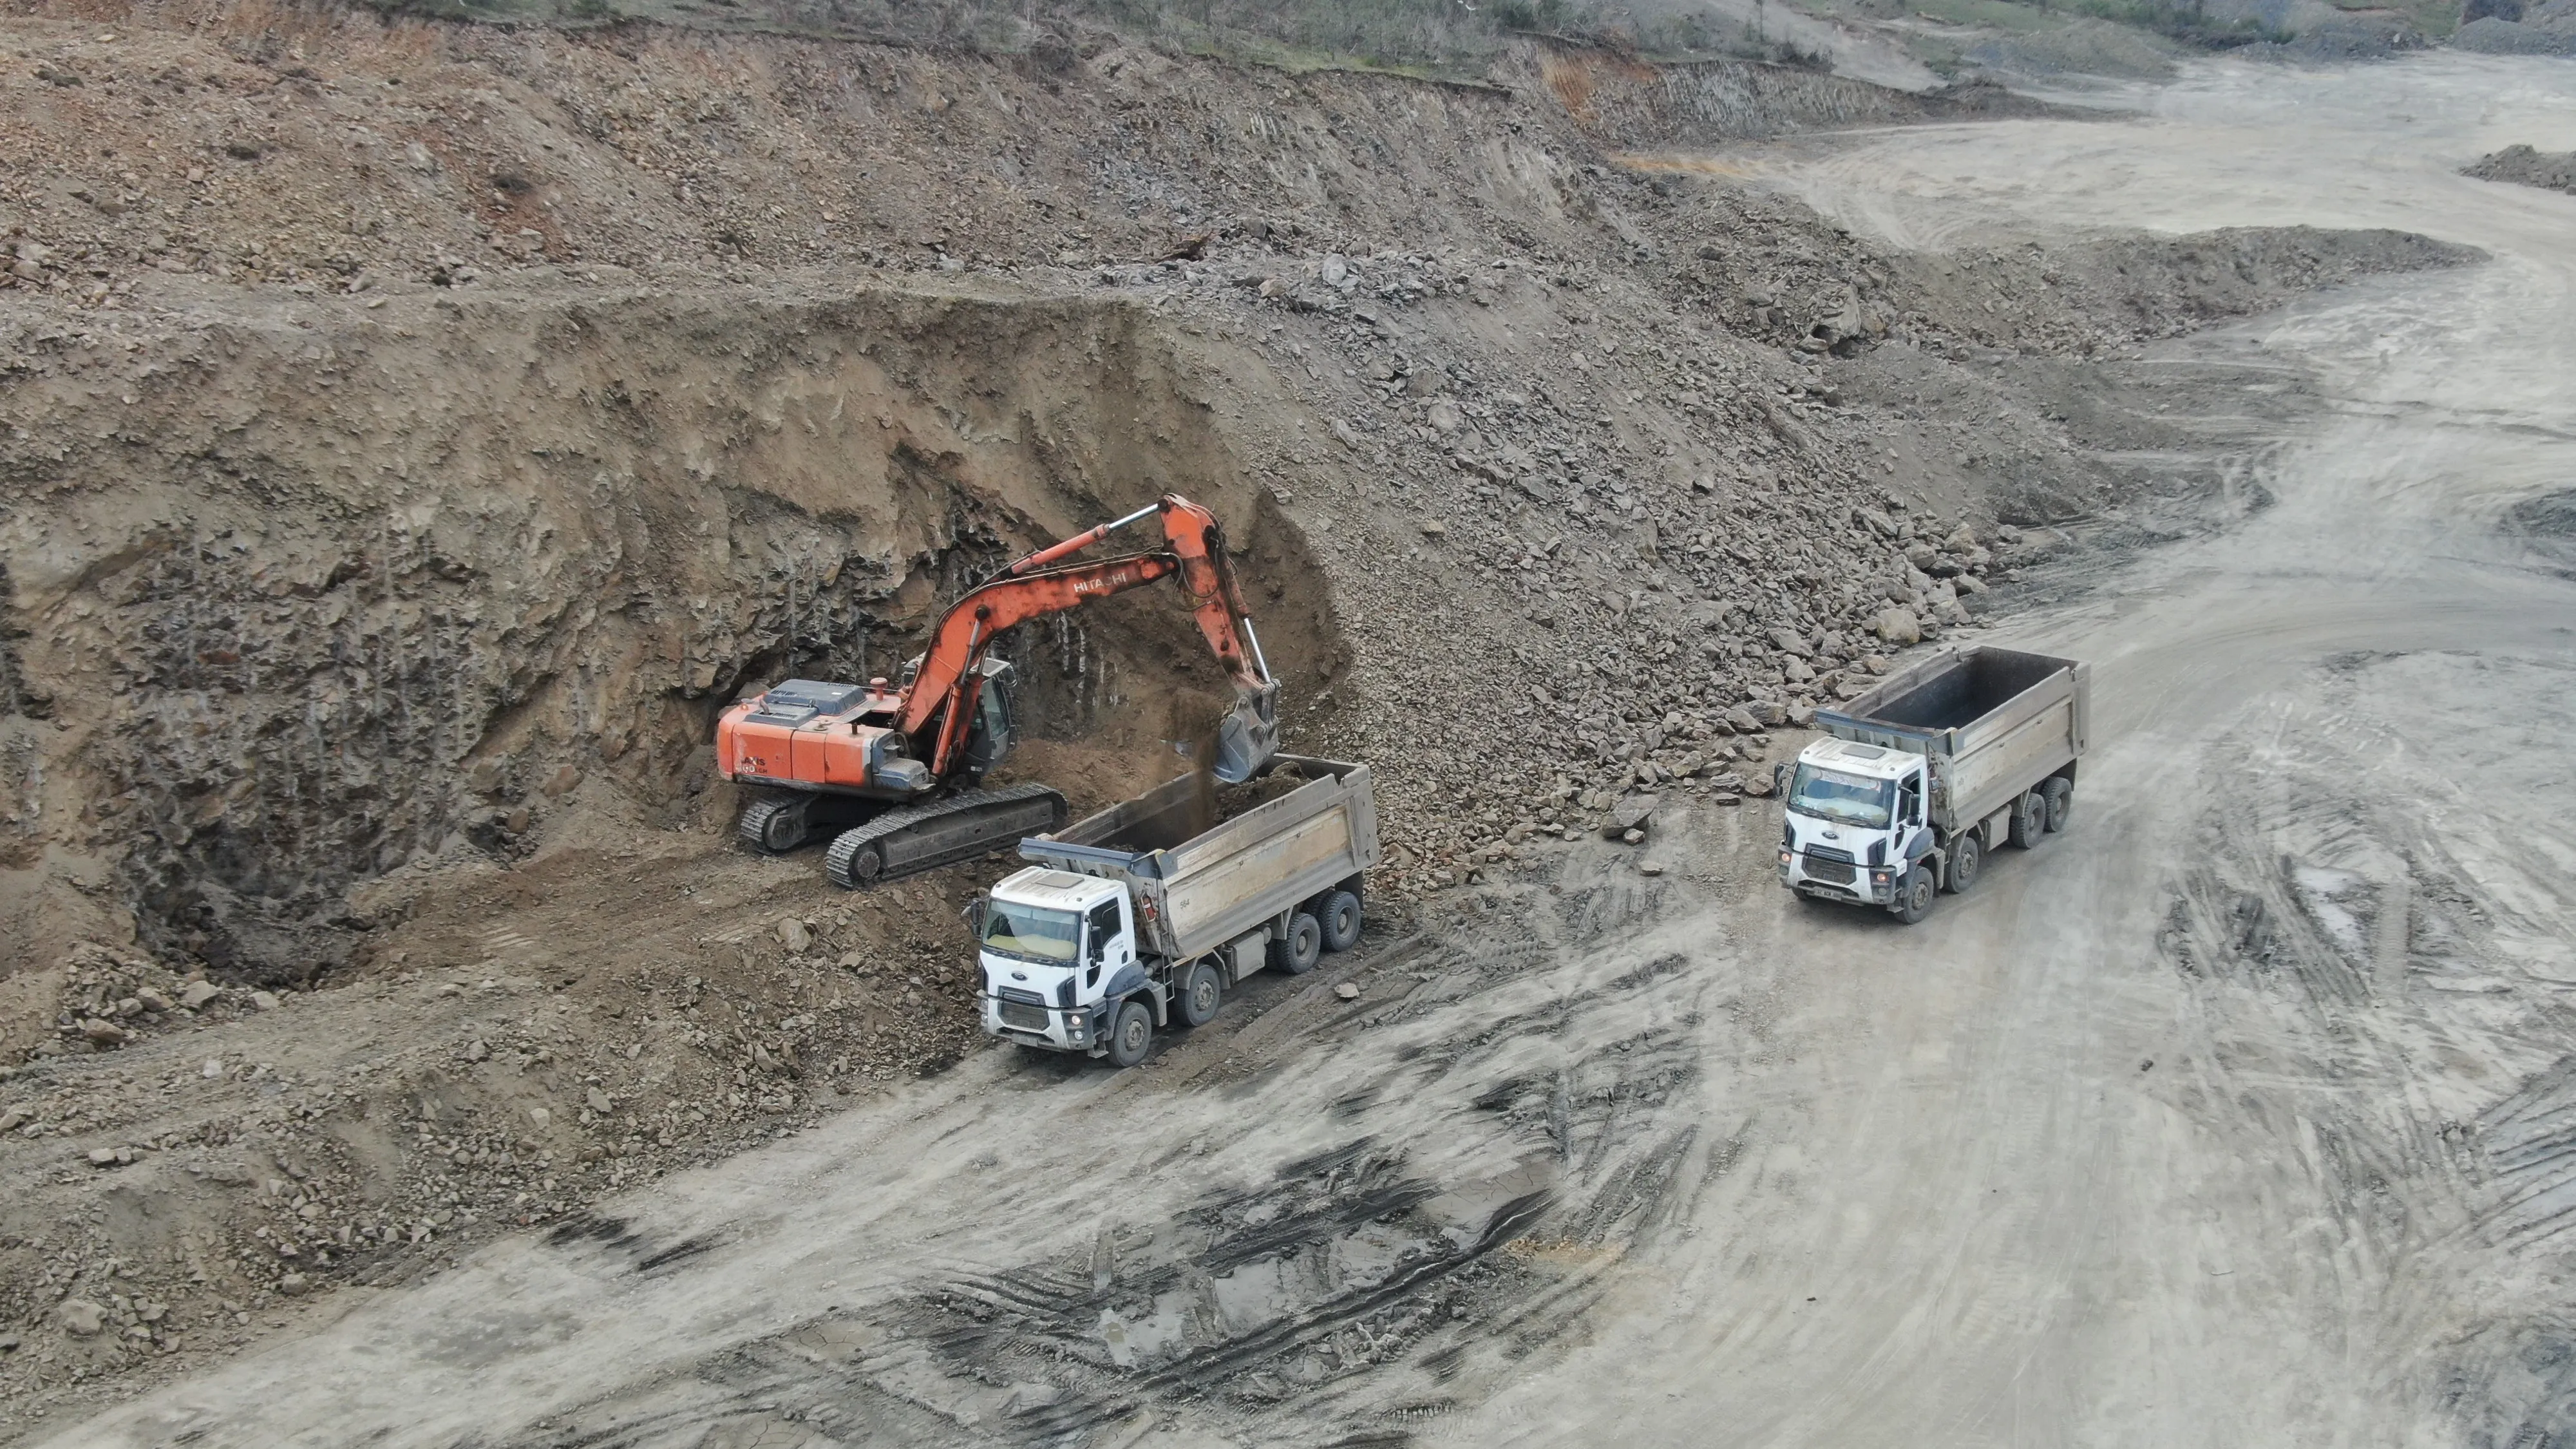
[{"x": 989, "y": 739}]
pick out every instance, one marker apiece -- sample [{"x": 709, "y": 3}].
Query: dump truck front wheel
[
  {"x": 1914, "y": 895},
  {"x": 1131, "y": 1034}
]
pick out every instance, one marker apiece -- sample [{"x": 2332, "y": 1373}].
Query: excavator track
[
  {"x": 775, "y": 824},
  {"x": 918, "y": 838}
]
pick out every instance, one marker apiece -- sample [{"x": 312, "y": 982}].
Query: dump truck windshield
[
  {"x": 1845, "y": 799},
  {"x": 1031, "y": 933}
]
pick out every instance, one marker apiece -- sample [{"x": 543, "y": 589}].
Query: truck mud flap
[{"x": 918, "y": 838}]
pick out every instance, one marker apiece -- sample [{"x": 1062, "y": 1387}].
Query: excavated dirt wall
[{"x": 319, "y": 592}]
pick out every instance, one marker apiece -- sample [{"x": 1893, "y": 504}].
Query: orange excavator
[{"x": 893, "y": 773}]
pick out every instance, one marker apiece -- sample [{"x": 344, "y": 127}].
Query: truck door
[
  {"x": 1109, "y": 944},
  {"x": 1914, "y": 841}
]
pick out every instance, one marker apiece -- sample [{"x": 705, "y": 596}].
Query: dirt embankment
[
  {"x": 390, "y": 506},
  {"x": 320, "y": 594}
]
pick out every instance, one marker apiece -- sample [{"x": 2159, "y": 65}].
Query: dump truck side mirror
[{"x": 1780, "y": 778}]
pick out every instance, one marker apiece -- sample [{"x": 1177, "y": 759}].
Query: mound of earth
[{"x": 2551, "y": 170}]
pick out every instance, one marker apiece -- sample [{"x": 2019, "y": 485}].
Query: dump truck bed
[
  {"x": 1993, "y": 722},
  {"x": 1199, "y": 882}
]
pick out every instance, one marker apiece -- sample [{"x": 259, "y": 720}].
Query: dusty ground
[{"x": 373, "y": 586}]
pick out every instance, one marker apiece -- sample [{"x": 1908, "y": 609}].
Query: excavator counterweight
[{"x": 888, "y": 770}]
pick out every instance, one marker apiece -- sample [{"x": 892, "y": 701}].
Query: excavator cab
[{"x": 995, "y": 729}]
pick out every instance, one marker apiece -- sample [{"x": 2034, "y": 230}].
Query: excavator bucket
[{"x": 1248, "y": 737}]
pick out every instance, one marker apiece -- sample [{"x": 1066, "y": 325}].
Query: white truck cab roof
[
  {"x": 1060, "y": 890},
  {"x": 1852, "y": 758}
]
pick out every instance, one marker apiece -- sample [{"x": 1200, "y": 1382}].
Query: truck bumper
[
  {"x": 1055, "y": 1028},
  {"x": 1867, "y": 885}
]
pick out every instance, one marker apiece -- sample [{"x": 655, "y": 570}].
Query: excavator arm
[{"x": 1041, "y": 584}]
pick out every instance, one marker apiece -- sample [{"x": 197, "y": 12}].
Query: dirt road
[{"x": 2236, "y": 1116}]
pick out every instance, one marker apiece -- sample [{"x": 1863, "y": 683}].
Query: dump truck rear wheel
[
  {"x": 1303, "y": 947},
  {"x": 1131, "y": 1035},
  {"x": 2060, "y": 794},
  {"x": 1201, "y": 994},
  {"x": 2029, "y": 818},
  {"x": 1341, "y": 921},
  {"x": 1914, "y": 895}
]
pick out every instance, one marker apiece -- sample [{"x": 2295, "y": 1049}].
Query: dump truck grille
[
  {"x": 1822, "y": 866},
  {"x": 1023, "y": 1009}
]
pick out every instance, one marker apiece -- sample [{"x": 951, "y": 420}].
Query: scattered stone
[
  {"x": 104, "y": 1032},
  {"x": 79, "y": 1317},
  {"x": 292, "y": 1284},
  {"x": 1897, "y": 625},
  {"x": 1628, "y": 818},
  {"x": 264, "y": 1000},
  {"x": 1650, "y": 870},
  {"x": 14, "y": 1118},
  {"x": 792, "y": 932},
  {"x": 1347, "y": 991},
  {"x": 102, "y": 1157},
  {"x": 599, "y": 1101}
]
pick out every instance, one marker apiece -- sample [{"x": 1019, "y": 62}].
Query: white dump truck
[
  {"x": 1917, "y": 781},
  {"x": 1152, "y": 909}
]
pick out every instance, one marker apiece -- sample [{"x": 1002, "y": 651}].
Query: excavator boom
[{"x": 1040, "y": 584}]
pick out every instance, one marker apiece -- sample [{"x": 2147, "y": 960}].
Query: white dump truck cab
[
  {"x": 1055, "y": 948},
  {"x": 1855, "y": 821}
]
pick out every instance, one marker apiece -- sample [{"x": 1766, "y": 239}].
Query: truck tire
[
  {"x": 1341, "y": 921},
  {"x": 2059, "y": 792},
  {"x": 1304, "y": 946},
  {"x": 1131, "y": 1033},
  {"x": 1914, "y": 895},
  {"x": 1201, "y": 994},
  {"x": 1967, "y": 857},
  {"x": 2029, "y": 818}
]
